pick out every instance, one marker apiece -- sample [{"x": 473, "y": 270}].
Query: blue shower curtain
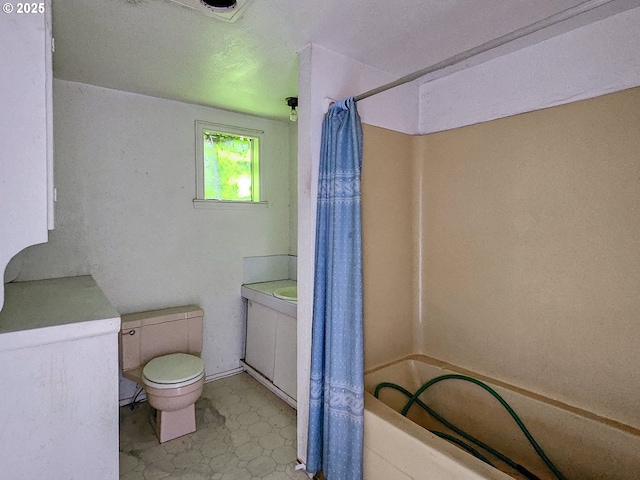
[{"x": 336, "y": 404}]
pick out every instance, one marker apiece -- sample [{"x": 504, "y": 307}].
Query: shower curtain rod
[{"x": 504, "y": 39}]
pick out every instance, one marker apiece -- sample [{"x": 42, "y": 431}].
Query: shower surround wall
[
  {"x": 512, "y": 248},
  {"x": 390, "y": 245}
]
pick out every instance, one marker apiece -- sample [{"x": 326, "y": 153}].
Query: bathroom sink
[{"x": 286, "y": 293}]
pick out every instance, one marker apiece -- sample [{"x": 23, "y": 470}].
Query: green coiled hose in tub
[{"x": 413, "y": 398}]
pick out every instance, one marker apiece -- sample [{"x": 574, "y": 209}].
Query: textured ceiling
[{"x": 160, "y": 48}]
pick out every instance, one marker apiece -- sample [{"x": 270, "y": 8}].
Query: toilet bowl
[
  {"x": 173, "y": 381},
  {"x": 160, "y": 351}
]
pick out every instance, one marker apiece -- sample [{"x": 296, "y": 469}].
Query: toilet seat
[{"x": 173, "y": 371}]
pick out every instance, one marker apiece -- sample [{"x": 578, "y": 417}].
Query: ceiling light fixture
[
  {"x": 292, "y": 102},
  {"x": 219, "y": 6}
]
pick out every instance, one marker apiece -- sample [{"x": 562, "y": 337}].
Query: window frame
[{"x": 257, "y": 166}]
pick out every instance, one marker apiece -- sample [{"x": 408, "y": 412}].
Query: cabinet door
[
  {"x": 25, "y": 129},
  {"x": 286, "y": 366},
  {"x": 261, "y": 338}
]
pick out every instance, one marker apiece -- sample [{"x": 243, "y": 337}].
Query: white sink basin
[{"x": 286, "y": 293}]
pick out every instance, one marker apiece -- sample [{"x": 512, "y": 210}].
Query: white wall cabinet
[{"x": 26, "y": 153}]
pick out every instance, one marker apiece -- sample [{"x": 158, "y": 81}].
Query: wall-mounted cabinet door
[{"x": 26, "y": 153}]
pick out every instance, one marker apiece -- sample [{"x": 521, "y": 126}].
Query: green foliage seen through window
[{"x": 230, "y": 163}]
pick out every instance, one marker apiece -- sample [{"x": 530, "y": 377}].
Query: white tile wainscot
[{"x": 271, "y": 348}]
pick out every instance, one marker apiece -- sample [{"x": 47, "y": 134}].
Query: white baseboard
[
  {"x": 269, "y": 386},
  {"x": 228, "y": 373}
]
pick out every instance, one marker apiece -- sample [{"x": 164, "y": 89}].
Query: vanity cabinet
[
  {"x": 271, "y": 342},
  {"x": 26, "y": 156}
]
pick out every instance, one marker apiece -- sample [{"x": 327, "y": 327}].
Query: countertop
[
  {"x": 49, "y": 311},
  {"x": 263, "y": 293}
]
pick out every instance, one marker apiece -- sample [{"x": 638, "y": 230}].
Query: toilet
[{"x": 160, "y": 350}]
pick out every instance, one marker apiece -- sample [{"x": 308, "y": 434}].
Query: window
[{"x": 227, "y": 165}]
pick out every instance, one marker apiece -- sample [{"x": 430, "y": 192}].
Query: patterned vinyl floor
[{"x": 244, "y": 433}]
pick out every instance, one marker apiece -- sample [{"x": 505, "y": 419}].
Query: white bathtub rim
[
  {"x": 612, "y": 449},
  {"x": 449, "y": 460},
  {"x": 550, "y": 402}
]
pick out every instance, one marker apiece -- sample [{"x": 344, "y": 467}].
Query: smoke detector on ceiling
[
  {"x": 225, "y": 10},
  {"x": 220, "y": 6}
]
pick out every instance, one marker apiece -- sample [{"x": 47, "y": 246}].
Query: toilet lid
[{"x": 173, "y": 368}]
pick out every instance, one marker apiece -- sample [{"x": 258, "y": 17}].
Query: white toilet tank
[{"x": 147, "y": 335}]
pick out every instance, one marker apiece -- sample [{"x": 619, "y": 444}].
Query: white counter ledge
[
  {"x": 263, "y": 293},
  {"x": 48, "y": 311}
]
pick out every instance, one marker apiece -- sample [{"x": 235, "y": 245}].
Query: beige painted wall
[
  {"x": 531, "y": 251},
  {"x": 388, "y": 246}
]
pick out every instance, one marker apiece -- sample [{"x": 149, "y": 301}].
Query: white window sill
[{"x": 222, "y": 204}]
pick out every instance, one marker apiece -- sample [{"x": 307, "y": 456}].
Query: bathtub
[{"x": 580, "y": 444}]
